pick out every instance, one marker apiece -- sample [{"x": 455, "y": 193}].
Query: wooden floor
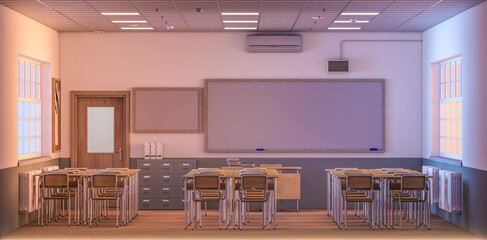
[{"x": 307, "y": 224}]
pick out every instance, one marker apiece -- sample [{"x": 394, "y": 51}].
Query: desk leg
[{"x": 185, "y": 204}]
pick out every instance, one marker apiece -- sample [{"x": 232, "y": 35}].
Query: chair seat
[
  {"x": 207, "y": 199},
  {"x": 104, "y": 198},
  {"x": 409, "y": 199},
  {"x": 253, "y": 199},
  {"x": 359, "y": 199}
]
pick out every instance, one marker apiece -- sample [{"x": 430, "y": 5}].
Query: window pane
[
  {"x": 21, "y": 146},
  {"x": 27, "y": 72},
  {"x": 33, "y": 90},
  {"x": 33, "y": 110},
  {"x": 38, "y": 91},
  {"x": 27, "y": 128},
  {"x": 27, "y": 146},
  {"x": 38, "y": 145},
  {"x": 442, "y": 74},
  {"x": 38, "y": 110},
  {"x": 33, "y": 145},
  {"x": 33, "y": 128},
  {"x": 38, "y": 128},
  {"x": 22, "y": 90},
  {"x": 38, "y": 74},
  {"x": 101, "y": 129},
  {"x": 27, "y": 110},
  {"x": 20, "y": 111},
  {"x": 20, "y": 126}
]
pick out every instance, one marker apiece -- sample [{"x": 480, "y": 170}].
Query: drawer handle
[
  {"x": 146, "y": 164},
  {"x": 146, "y": 189},
  {"x": 166, "y": 164},
  {"x": 185, "y": 164},
  {"x": 165, "y": 201},
  {"x": 165, "y": 189},
  {"x": 146, "y": 177},
  {"x": 145, "y": 200},
  {"x": 166, "y": 177}
]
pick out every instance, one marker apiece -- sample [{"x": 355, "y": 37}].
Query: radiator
[
  {"x": 450, "y": 191},
  {"x": 434, "y": 182},
  {"x": 29, "y": 191}
]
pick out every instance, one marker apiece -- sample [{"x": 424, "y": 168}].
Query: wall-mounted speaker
[{"x": 338, "y": 66}]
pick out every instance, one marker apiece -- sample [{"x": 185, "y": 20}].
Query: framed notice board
[
  {"x": 166, "y": 110},
  {"x": 282, "y": 115}
]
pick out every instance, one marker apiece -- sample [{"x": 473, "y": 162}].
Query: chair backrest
[
  {"x": 104, "y": 180},
  {"x": 359, "y": 182},
  {"x": 254, "y": 182},
  {"x": 340, "y": 169},
  {"x": 56, "y": 180},
  {"x": 206, "y": 182},
  {"x": 120, "y": 169},
  {"x": 79, "y": 169},
  {"x": 413, "y": 182}
]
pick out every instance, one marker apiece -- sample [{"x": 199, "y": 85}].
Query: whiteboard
[{"x": 294, "y": 115}]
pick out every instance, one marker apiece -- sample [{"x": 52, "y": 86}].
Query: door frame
[{"x": 75, "y": 95}]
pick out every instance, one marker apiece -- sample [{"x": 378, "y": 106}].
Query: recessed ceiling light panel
[
  {"x": 137, "y": 28},
  {"x": 240, "y": 13},
  {"x": 120, "y": 13},
  {"x": 129, "y": 21},
  {"x": 360, "y": 13},
  {"x": 240, "y": 21},
  {"x": 344, "y": 28},
  {"x": 240, "y": 28}
]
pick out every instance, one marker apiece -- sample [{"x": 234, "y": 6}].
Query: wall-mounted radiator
[
  {"x": 450, "y": 191},
  {"x": 434, "y": 182},
  {"x": 29, "y": 191},
  {"x": 50, "y": 168}
]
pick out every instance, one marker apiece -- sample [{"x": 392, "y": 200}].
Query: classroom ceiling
[{"x": 273, "y": 15}]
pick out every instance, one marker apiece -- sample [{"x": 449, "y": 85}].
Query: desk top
[{"x": 232, "y": 173}]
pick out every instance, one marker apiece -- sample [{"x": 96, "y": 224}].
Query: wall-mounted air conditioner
[{"x": 274, "y": 43}]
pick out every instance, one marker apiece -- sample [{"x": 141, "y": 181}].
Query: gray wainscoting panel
[
  {"x": 474, "y": 199},
  {"x": 313, "y": 176},
  {"x": 10, "y": 218}
]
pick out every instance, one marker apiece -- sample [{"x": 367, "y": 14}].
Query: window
[
  {"x": 451, "y": 109},
  {"x": 29, "y": 109}
]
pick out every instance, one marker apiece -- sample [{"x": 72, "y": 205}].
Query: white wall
[
  {"x": 120, "y": 61},
  {"x": 464, "y": 34},
  {"x": 21, "y": 35}
]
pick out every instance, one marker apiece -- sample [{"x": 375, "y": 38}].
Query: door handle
[{"x": 120, "y": 154}]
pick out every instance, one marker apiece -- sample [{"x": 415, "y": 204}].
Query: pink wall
[
  {"x": 120, "y": 61},
  {"x": 464, "y": 34},
  {"x": 22, "y": 35}
]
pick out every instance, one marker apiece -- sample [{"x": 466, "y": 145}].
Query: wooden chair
[
  {"x": 365, "y": 185},
  {"x": 253, "y": 188},
  {"x": 207, "y": 188},
  {"x": 55, "y": 188},
  {"x": 104, "y": 187},
  {"x": 413, "y": 192}
]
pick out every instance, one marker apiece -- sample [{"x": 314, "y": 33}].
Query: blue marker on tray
[
  {"x": 259, "y": 149},
  {"x": 373, "y": 149}
]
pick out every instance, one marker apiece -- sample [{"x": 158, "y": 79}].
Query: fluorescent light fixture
[
  {"x": 358, "y": 21},
  {"x": 129, "y": 21},
  {"x": 137, "y": 28},
  {"x": 343, "y": 28},
  {"x": 360, "y": 13},
  {"x": 119, "y": 14},
  {"x": 240, "y": 28},
  {"x": 241, "y": 13},
  {"x": 230, "y": 21}
]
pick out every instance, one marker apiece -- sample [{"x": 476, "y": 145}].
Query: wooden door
[{"x": 100, "y": 132}]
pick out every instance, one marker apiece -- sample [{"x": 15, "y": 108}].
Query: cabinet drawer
[
  {"x": 180, "y": 179},
  {"x": 147, "y": 203},
  {"x": 165, "y": 203},
  {"x": 165, "y": 166},
  {"x": 184, "y": 166},
  {"x": 180, "y": 191},
  {"x": 165, "y": 191},
  {"x": 165, "y": 179},
  {"x": 147, "y": 191},
  {"x": 146, "y": 166},
  {"x": 147, "y": 179},
  {"x": 180, "y": 203}
]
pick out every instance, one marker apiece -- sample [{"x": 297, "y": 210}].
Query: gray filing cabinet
[{"x": 161, "y": 183}]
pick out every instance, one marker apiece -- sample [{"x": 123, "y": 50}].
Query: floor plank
[{"x": 168, "y": 224}]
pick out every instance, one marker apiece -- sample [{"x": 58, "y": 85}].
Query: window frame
[
  {"x": 29, "y": 108},
  {"x": 450, "y": 109}
]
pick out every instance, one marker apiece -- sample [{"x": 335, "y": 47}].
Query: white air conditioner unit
[
  {"x": 450, "y": 191},
  {"x": 434, "y": 182},
  {"x": 29, "y": 191},
  {"x": 274, "y": 43}
]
